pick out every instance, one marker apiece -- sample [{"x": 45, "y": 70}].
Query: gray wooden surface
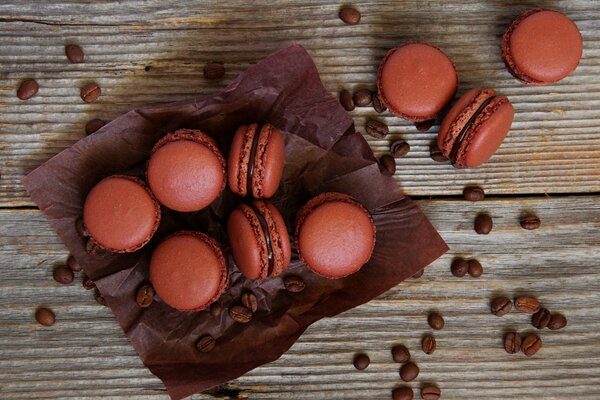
[{"x": 142, "y": 52}]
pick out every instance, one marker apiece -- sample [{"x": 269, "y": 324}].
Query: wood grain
[
  {"x": 86, "y": 355},
  {"x": 141, "y": 52}
]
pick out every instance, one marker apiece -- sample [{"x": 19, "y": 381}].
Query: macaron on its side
[
  {"x": 268, "y": 162},
  {"x": 189, "y": 271},
  {"x": 121, "y": 214},
  {"x": 239, "y": 158}
]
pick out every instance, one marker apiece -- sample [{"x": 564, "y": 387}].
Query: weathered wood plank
[
  {"x": 85, "y": 355},
  {"x": 554, "y": 146}
]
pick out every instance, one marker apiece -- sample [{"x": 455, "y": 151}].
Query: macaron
[
  {"x": 541, "y": 47},
  {"x": 475, "y": 127},
  {"x": 335, "y": 235},
  {"x": 120, "y": 214},
  {"x": 256, "y": 160},
  {"x": 186, "y": 171},
  {"x": 189, "y": 271},
  {"x": 416, "y": 81},
  {"x": 259, "y": 240}
]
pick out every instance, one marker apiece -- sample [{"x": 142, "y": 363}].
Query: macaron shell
[
  {"x": 269, "y": 162},
  {"x": 248, "y": 246},
  {"x": 280, "y": 239},
  {"x": 239, "y": 156}
]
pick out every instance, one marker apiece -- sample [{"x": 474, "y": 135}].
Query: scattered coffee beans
[
  {"x": 215, "y": 309},
  {"x": 63, "y": 275},
  {"x": 399, "y": 148},
  {"x": 531, "y": 345},
  {"x": 249, "y": 301},
  {"x": 349, "y": 15},
  {"x": 483, "y": 224},
  {"x": 74, "y": 265},
  {"x": 362, "y": 97},
  {"x": 205, "y": 344},
  {"x": 541, "y": 318},
  {"x": 430, "y": 392},
  {"x": 294, "y": 284},
  {"x": 475, "y": 268},
  {"x": 90, "y": 92},
  {"x": 214, "y": 70},
  {"x": 428, "y": 344},
  {"x": 400, "y": 354},
  {"x": 557, "y": 321},
  {"x": 473, "y": 193},
  {"x": 376, "y": 128},
  {"x": 240, "y": 314},
  {"x": 402, "y": 393},
  {"x": 388, "y": 163},
  {"x": 145, "y": 296},
  {"x": 45, "y": 316},
  {"x": 425, "y": 125},
  {"x": 99, "y": 298},
  {"x": 378, "y": 106},
  {"x": 361, "y": 361},
  {"x": 74, "y": 53},
  {"x": 419, "y": 274},
  {"x": 530, "y": 222},
  {"x": 93, "y": 125},
  {"x": 409, "y": 371},
  {"x": 88, "y": 284},
  {"x": 346, "y": 100},
  {"x": 27, "y": 89},
  {"x": 459, "y": 267},
  {"x": 527, "y": 304},
  {"x": 501, "y": 306},
  {"x": 512, "y": 342},
  {"x": 436, "y": 321},
  {"x": 436, "y": 154}
]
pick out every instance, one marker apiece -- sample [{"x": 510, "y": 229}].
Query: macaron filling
[
  {"x": 267, "y": 235},
  {"x": 465, "y": 129},
  {"x": 251, "y": 159}
]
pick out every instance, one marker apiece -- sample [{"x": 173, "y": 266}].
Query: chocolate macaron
[
  {"x": 186, "y": 171},
  {"x": 475, "y": 127},
  {"x": 189, "y": 271},
  {"x": 256, "y": 160},
  {"x": 541, "y": 47},
  {"x": 335, "y": 235},
  {"x": 259, "y": 240},
  {"x": 416, "y": 81},
  {"x": 120, "y": 214}
]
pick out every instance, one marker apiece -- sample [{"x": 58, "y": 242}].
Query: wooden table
[{"x": 143, "y": 52}]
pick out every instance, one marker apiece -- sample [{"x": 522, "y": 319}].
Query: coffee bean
[
  {"x": 90, "y": 92},
  {"x": 214, "y": 70},
  {"x": 74, "y": 53},
  {"x": 475, "y": 268},
  {"x": 473, "y": 193},
  {"x": 362, "y": 97},
  {"x": 240, "y": 314},
  {"x": 249, "y": 301},
  {"x": 378, "y": 106},
  {"x": 436, "y": 321},
  {"x": 501, "y": 306},
  {"x": 63, "y": 275},
  {"x": 428, "y": 344},
  {"x": 430, "y": 392},
  {"x": 419, "y": 274},
  {"x": 349, "y": 15},
  {"x": 512, "y": 342},
  {"x": 402, "y": 393},
  {"x": 388, "y": 163},
  {"x": 45, "y": 316},
  {"x": 99, "y": 298},
  {"x": 531, "y": 345},
  {"x": 425, "y": 125},
  {"x": 145, "y": 296},
  {"x": 399, "y": 148},
  {"x": 483, "y": 224},
  {"x": 377, "y": 129},
  {"x": 409, "y": 371},
  {"x": 400, "y": 354},
  {"x": 459, "y": 267},
  {"x": 93, "y": 125},
  {"x": 361, "y": 361},
  {"x": 557, "y": 321},
  {"x": 541, "y": 318},
  {"x": 73, "y": 264},
  {"x": 294, "y": 284},
  {"x": 346, "y": 100},
  {"x": 436, "y": 154},
  {"x": 88, "y": 284},
  {"x": 27, "y": 89},
  {"x": 215, "y": 309},
  {"x": 527, "y": 304},
  {"x": 205, "y": 344},
  {"x": 530, "y": 222}
]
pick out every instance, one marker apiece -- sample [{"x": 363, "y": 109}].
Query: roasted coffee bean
[
  {"x": 346, "y": 100},
  {"x": 362, "y": 97},
  {"x": 541, "y": 318},
  {"x": 402, "y": 393},
  {"x": 74, "y": 53},
  {"x": 436, "y": 154},
  {"x": 73, "y": 264},
  {"x": 409, "y": 371},
  {"x": 425, "y": 125},
  {"x": 215, "y": 309},
  {"x": 27, "y": 89},
  {"x": 399, "y": 148},
  {"x": 388, "y": 163},
  {"x": 512, "y": 342},
  {"x": 240, "y": 314},
  {"x": 99, "y": 298},
  {"x": 557, "y": 321},
  {"x": 459, "y": 267},
  {"x": 249, "y": 301},
  {"x": 483, "y": 224},
  {"x": 436, "y": 321},
  {"x": 93, "y": 125},
  {"x": 430, "y": 392},
  {"x": 475, "y": 268},
  {"x": 419, "y": 274},
  {"x": 428, "y": 344},
  {"x": 214, "y": 70},
  {"x": 205, "y": 344},
  {"x": 145, "y": 296},
  {"x": 378, "y": 106},
  {"x": 531, "y": 345},
  {"x": 349, "y": 15},
  {"x": 400, "y": 354},
  {"x": 90, "y": 92},
  {"x": 361, "y": 361},
  {"x": 294, "y": 284},
  {"x": 501, "y": 306},
  {"x": 473, "y": 193},
  {"x": 45, "y": 316},
  {"x": 63, "y": 275},
  {"x": 88, "y": 284},
  {"x": 527, "y": 304},
  {"x": 530, "y": 222},
  {"x": 377, "y": 129}
]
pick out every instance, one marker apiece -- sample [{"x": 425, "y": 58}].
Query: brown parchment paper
[{"x": 323, "y": 153}]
